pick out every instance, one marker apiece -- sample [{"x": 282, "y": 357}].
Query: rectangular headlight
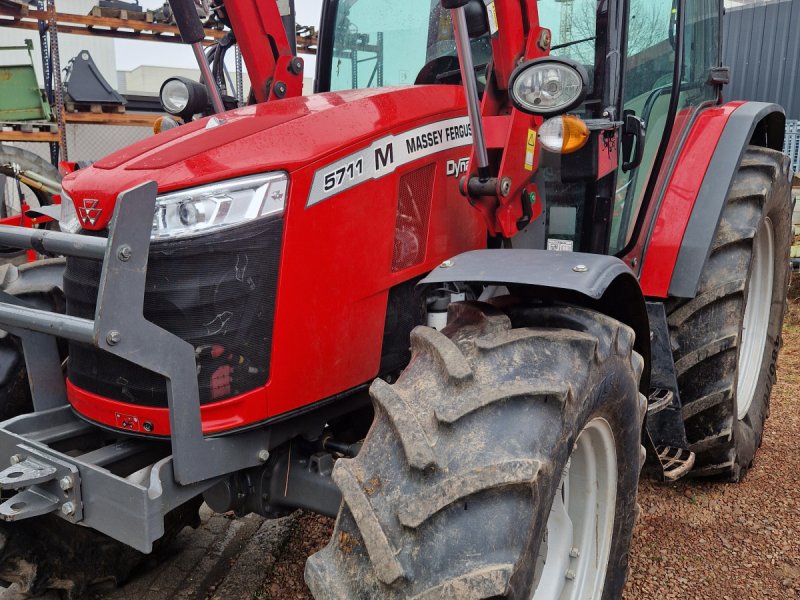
[{"x": 217, "y": 206}]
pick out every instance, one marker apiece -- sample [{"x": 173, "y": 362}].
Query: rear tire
[
  {"x": 727, "y": 338},
  {"x": 451, "y": 493}
]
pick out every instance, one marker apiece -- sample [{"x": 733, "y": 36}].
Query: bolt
[
  {"x": 124, "y": 253},
  {"x": 16, "y": 459},
  {"x": 574, "y": 552},
  {"x": 580, "y": 268},
  {"x": 446, "y": 264},
  {"x": 66, "y": 483},
  {"x": 505, "y": 186},
  {"x": 279, "y": 89},
  {"x": 263, "y": 455},
  {"x": 634, "y": 262},
  {"x": 113, "y": 337},
  {"x": 67, "y": 509},
  {"x": 544, "y": 40},
  {"x": 148, "y": 426},
  {"x": 296, "y": 65},
  {"x": 570, "y": 574}
]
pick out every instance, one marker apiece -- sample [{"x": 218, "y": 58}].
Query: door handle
[{"x": 634, "y": 130}]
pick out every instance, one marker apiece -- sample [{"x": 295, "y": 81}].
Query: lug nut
[
  {"x": 570, "y": 574},
  {"x": 574, "y": 553},
  {"x": 67, "y": 509},
  {"x": 65, "y": 483}
]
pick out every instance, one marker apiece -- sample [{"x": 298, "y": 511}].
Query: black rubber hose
[{"x": 187, "y": 20}]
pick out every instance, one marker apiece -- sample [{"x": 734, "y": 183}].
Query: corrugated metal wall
[{"x": 762, "y": 47}]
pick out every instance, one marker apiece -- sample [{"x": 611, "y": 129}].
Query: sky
[{"x": 131, "y": 54}]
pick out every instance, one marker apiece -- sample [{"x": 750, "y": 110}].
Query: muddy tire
[
  {"x": 451, "y": 493},
  {"x": 37, "y": 284},
  {"x": 726, "y": 339}
]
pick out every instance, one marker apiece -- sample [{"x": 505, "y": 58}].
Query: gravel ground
[{"x": 694, "y": 539}]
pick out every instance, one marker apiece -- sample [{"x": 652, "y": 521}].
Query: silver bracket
[
  {"x": 28, "y": 503},
  {"x": 24, "y": 473},
  {"x": 49, "y": 484}
]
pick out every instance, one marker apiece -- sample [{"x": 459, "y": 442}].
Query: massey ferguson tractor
[{"x": 508, "y": 254}]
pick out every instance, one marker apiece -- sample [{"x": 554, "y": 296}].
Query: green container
[{"x": 20, "y": 96}]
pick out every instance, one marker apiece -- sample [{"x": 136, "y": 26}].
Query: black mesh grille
[
  {"x": 413, "y": 212},
  {"x": 216, "y": 291}
]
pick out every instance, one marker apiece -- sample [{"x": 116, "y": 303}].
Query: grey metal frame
[{"x": 86, "y": 489}]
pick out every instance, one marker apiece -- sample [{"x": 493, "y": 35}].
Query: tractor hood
[{"x": 280, "y": 135}]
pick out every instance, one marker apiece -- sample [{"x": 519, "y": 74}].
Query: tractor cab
[{"x": 645, "y": 72}]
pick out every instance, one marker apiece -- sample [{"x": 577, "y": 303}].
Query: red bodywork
[
  {"x": 678, "y": 201},
  {"x": 336, "y": 260}
]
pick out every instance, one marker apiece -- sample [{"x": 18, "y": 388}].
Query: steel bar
[
  {"x": 31, "y": 319},
  {"x": 68, "y": 244},
  {"x": 471, "y": 88},
  {"x": 208, "y": 77}
]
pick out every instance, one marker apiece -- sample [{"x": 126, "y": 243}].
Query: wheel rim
[
  {"x": 756, "y": 317},
  {"x": 574, "y": 555}
]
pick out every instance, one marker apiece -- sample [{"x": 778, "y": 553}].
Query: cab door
[{"x": 672, "y": 47}]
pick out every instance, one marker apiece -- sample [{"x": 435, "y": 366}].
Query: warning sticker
[
  {"x": 559, "y": 245},
  {"x": 530, "y": 150},
  {"x": 383, "y": 156},
  {"x": 491, "y": 12}
]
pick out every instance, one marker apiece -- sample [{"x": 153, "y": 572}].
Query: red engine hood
[{"x": 281, "y": 135}]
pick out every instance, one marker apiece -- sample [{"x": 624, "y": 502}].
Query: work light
[
  {"x": 183, "y": 97},
  {"x": 548, "y": 86}
]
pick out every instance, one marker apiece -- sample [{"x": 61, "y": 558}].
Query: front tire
[
  {"x": 727, "y": 338},
  {"x": 466, "y": 462}
]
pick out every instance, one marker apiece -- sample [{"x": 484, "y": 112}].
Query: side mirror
[
  {"x": 475, "y": 14},
  {"x": 477, "y": 21}
]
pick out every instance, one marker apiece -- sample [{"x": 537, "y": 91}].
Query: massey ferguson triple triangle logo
[{"x": 89, "y": 212}]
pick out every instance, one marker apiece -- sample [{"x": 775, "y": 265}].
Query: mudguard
[
  {"x": 603, "y": 283},
  {"x": 675, "y": 256}
]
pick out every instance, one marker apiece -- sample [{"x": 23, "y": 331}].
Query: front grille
[{"x": 216, "y": 291}]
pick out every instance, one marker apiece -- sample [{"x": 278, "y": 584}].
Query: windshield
[{"x": 385, "y": 42}]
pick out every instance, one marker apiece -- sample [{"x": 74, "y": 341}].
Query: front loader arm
[{"x": 274, "y": 70}]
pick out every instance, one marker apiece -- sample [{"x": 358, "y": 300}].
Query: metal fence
[{"x": 87, "y": 142}]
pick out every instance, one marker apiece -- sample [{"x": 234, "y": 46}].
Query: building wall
[
  {"x": 762, "y": 47},
  {"x": 101, "y": 49}
]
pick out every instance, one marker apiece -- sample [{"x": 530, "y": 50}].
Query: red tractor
[{"x": 586, "y": 246}]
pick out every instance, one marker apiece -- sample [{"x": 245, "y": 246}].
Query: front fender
[{"x": 603, "y": 283}]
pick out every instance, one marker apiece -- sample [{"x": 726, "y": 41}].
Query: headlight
[
  {"x": 183, "y": 97},
  {"x": 548, "y": 86},
  {"x": 68, "y": 222},
  {"x": 218, "y": 206}
]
